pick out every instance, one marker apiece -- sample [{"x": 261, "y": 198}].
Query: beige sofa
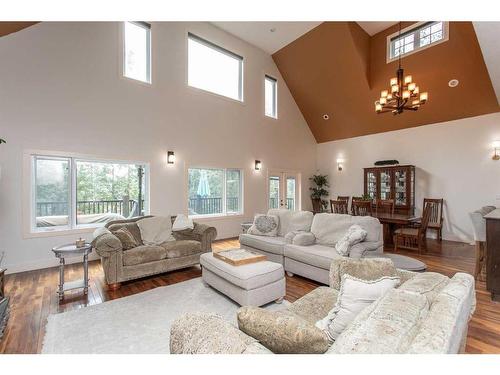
[
  {"x": 121, "y": 265},
  {"x": 313, "y": 261},
  {"x": 428, "y": 313}
]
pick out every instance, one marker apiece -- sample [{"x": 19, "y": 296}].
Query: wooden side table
[{"x": 67, "y": 251}]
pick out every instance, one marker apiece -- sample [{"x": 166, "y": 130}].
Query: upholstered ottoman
[{"x": 252, "y": 284}]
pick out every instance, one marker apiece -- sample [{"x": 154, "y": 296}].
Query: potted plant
[{"x": 318, "y": 191}]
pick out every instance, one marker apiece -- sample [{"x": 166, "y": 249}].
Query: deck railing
[
  {"x": 274, "y": 203},
  {"x": 212, "y": 205},
  {"x": 116, "y": 206}
]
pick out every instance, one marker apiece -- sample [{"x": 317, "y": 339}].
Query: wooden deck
[{"x": 33, "y": 296}]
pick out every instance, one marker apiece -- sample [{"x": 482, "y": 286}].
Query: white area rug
[{"x": 136, "y": 324}]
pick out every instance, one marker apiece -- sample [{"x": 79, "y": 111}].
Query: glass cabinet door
[
  {"x": 400, "y": 181},
  {"x": 371, "y": 184},
  {"x": 385, "y": 185}
]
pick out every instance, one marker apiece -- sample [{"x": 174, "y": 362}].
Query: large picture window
[
  {"x": 215, "y": 69},
  {"x": 214, "y": 192},
  {"x": 72, "y": 193}
]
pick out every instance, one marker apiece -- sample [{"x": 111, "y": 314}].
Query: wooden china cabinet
[{"x": 392, "y": 182}]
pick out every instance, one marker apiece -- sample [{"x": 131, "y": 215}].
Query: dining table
[{"x": 393, "y": 221}]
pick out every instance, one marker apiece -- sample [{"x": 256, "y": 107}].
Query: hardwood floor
[{"x": 33, "y": 296}]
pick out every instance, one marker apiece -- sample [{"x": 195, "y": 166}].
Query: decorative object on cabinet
[
  {"x": 361, "y": 208},
  {"x": 436, "y": 219},
  {"x": 396, "y": 182},
  {"x": 339, "y": 206},
  {"x": 318, "y": 192},
  {"x": 412, "y": 237},
  {"x": 386, "y": 162}
]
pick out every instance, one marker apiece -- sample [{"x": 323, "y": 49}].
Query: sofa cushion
[
  {"x": 428, "y": 284},
  {"x": 315, "y": 305},
  {"x": 273, "y": 245},
  {"x": 182, "y": 248},
  {"x": 143, "y": 254},
  {"x": 330, "y": 228},
  {"x": 304, "y": 239},
  {"x": 365, "y": 269},
  {"x": 248, "y": 276},
  {"x": 290, "y": 221},
  {"x": 282, "y": 331},
  {"x": 354, "y": 296},
  {"x": 387, "y": 326},
  {"x": 131, "y": 227},
  {"x": 316, "y": 255},
  {"x": 126, "y": 238},
  {"x": 445, "y": 327},
  {"x": 264, "y": 225}
]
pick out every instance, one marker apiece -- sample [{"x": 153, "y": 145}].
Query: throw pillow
[
  {"x": 156, "y": 230},
  {"x": 264, "y": 225},
  {"x": 182, "y": 222},
  {"x": 354, "y": 296},
  {"x": 304, "y": 239},
  {"x": 282, "y": 332},
  {"x": 126, "y": 238},
  {"x": 355, "y": 234}
]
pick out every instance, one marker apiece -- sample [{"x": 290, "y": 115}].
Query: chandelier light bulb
[
  {"x": 378, "y": 107},
  {"x": 389, "y": 97},
  {"x": 394, "y": 88},
  {"x": 394, "y": 81},
  {"x": 412, "y": 86},
  {"x": 383, "y": 101},
  {"x": 384, "y": 94},
  {"x": 406, "y": 94},
  {"x": 408, "y": 79},
  {"x": 423, "y": 97},
  {"x": 415, "y": 102},
  {"x": 415, "y": 90}
]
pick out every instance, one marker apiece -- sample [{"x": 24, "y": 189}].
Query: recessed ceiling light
[
  {"x": 272, "y": 29},
  {"x": 453, "y": 83},
  {"x": 326, "y": 117}
]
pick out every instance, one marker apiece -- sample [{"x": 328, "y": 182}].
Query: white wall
[
  {"x": 452, "y": 159},
  {"x": 61, "y": 89}
]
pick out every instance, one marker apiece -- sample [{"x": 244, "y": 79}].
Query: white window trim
[
  {"x": 446, "y": 37},
  {"x": 241, "y": 91},
  {"x": 29, "y": 228},
  {"x": 149, "y": 64},
  {"x": 224, "y": 214},
  {"x": 275, "y": 96}
]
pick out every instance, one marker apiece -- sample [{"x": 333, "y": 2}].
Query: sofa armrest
[
  {"x": 404, "y": 275},
  {"x": 358, "y": 250},
  {"x": 203, "y": 333},
  {"x": 106, "y": 244},
  {"x": 201, "y": 232}
]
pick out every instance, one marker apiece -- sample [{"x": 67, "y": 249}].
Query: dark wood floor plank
[{"x": 33, "y": 296}]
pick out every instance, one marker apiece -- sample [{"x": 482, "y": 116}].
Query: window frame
[
  {"x": 218, "y": 48},
  {"x": 267, "y": 77},
  {"x": 149, "y": 63},
  {"x": 73, "y": 159},
  {"x": 224, "y": 213},
  {"x": 415, "y": 29}
]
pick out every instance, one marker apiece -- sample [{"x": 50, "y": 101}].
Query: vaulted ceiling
[
  {"x": 339, "y": 69},
  {"x": 11, "y": 27}
]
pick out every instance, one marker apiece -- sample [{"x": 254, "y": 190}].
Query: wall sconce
[
  {"x": 339, "y": 164},
  {"x": 496, "y": 148},
  {"x": 170, "y": 157},
  {"x": 258, "y": 165}
]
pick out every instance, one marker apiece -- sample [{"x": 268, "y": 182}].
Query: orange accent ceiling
[
  {"x": 11, "y": 27},
  {"x": 339, "y": 70}
]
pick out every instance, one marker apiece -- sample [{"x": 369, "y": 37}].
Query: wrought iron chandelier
[{"x": 404, "y": 94}]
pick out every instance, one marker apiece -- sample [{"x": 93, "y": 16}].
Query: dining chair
[
  {"x": 361, "y": 208},
  {"x": 436, "y": 219},
  {"x": 413, "y": 238},
  {"x": 384, "y": 205},
  {"x": 355, "y": 199},
  {"x": 343, "y": 198},
  {"x": 339, "y": 206}
]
